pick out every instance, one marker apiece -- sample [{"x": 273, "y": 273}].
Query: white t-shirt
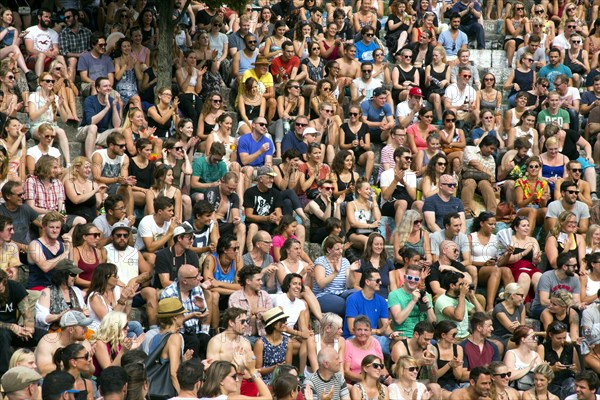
[
  {"x": 403, "y": 109},
  {"x": 126, "y": 262},
  {"x": 43, "y": 40},
  {"x": 36, "y": 152},
  {"x": 457, "y": 98},
  {"x": 387, "y": 176},
  {"x": 148, "y": 228},
  {"x": 291, "y": 308},
  {"x": 370, "y": 86}
]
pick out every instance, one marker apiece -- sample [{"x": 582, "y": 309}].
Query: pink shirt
[
  {"x": 278, "y": 242},
  {"x": 353, "y": 356}
]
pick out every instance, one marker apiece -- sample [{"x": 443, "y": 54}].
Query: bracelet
[{"x": 121, "y": 302}]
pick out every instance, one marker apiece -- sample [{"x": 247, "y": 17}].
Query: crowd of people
[{"x": 236, "y": 247}]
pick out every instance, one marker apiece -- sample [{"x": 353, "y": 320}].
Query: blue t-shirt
[
  {"x": 375, "y": 114},
  {"x": 247, "y": 144},
  {"x": 364, "y": 52},
  {"x": 549, "y": 72},
  {"x": 356, "y": 305},
  {"x": 452, "y": 46},
  {"x": 441, "y": 208},
  {"x": 477, "y": 133},
  {"x": 291, "y": 141},
  {"x": 95, "y": 67},
  {"x": 91, "y": 107},
  {"x": 468, "y": 18}
]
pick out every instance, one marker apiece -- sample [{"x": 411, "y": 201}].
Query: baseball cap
[
  {"x": 67, "y": 265},
  {"x": 265, "y": 171},
  {"x": 182, "y": 229},
  {"x": 74, "y": 318},
  {"x": 18, "y": 378},
  {"x": 415, "y": 91},
  {"x": 310, "y": 131},
  {"x": 120, "y": 225}
]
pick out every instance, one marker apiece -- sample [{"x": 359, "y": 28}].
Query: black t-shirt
[
  {"x": 570, "y": 145},
  {"x": 434, "y": 274},
  {"x": 531, "y": 99},
  {"x": 263, "y": 203},
  {"x": 167, "y": 262},
  {"x": 8, "y": 311},
  {"x": 213, "y": 196}
]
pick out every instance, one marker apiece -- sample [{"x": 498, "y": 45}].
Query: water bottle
[
  {"x": 436, "y": 81},
  {"x": 286, "y": 125}
]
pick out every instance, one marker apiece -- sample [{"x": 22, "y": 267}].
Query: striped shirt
[
  {"x": 338, "y": 285},
  {"x": 320, "y": 386}
]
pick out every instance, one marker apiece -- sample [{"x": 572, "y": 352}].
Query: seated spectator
[
  {"x": 43, "y": 107},
  {"x": 453, "y": 140},
  {"x": 325, "y": 92},
  {"x": 221, "y": 268},
  {"x": 447, "y": 306},
  {"x": 452, "y": 234},
  {"x": 423, "y": 157},
  {"x": 371, "y": 372},
  {"x": 164, "y": 115},
  {"x": 449, "y": 356},
  {"x": 189, "y": 81},
  {"x": 569, "y": 99},
  {"x": 320, "y": 210},
  {"x": 512, "y": 167},
  {"x": 328, "y": 125},
  {"x": 86, "y": 254},
  {"x": 544, "y": 374},
  {"x": 226, "y": 204},
  {"x": 67, "y": 359},
  {"x": 20, "y": 381},
  {"x": 554, "y": 67},
  {"x": 41, "y": 43},
  {"x": 163, "y": 186},
  {"x": 330, "y": 277},
  {"x": 436, "y": 167},
  {"x": 488, "y": 125},
  {"x": 563, "y": 238},
  {"x": 15, "y": 334},
  {"x": 359, "y": 346},
  {"x": 501, "y": 379},
  {"x": 251, "y": 105},
  {"x": 562, "y": 358},
  {"x": 398, "y": 187},
  {"x": 208, "y": 170},
  {"x": 83, "y": 196},
  {"x": 273, "y": 348},
  {"x": 378, "y": 115},
  {"x": 255, "y": 149},
  {"x": 298, "y": 138},
  {"x": 420, "y": 131},
  {"x": 532, "y": 198},
  {"x": 169, "y": 259},
  {"x": 569, "y": 202},
  {"x": 478, "y": 349},
  {"x": 479, "y": 172},
  {"x": 589, "y": 282},
  {"x": 12, "y": 138},
  {"x": 65, "y": 90},
  {"x": 101, "y": 116},
  {"x": 115, "y": 211},
  {"x": 410, "y": 235},
  {"x": 363, "y": 216},
  {"x": 22, "y": 216},
  {"x": 405, "y": 78},
  {"x": 520, "y": 79},
  {"x": 460, "y": 97},
  {"x": 437, "y": 206},
  {"x": 469, "y": 21},
  {"x": 94, "y": 64},
  {"x": 559, "y": 309},
  {"x": 44, "y": 253},
  {"x": 508, "y": 314},
  {"x": 128, "y": 70},
  {"x": 155, "y": 231},
  {"x": 525, "y": 129}
]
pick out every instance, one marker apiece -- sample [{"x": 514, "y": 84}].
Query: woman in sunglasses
[
  {"x": 577, "y": 58},
  {"x": 563, "y": 359},
  {"x": 370, "y": 387},
  {"x": 83, "y": 196},
  {"x": 76, "y": 360},
  {"x": 86, "y": 254},
  {"x": 532, "y": 193},
  {"x": 500, "y": 381},
  {"x": 516, "y": 26},
  {"x": 538, "y": 29},
  {"x": 453, "y": 141},
  {"x": 509, "y": 314},
  {"x": 521, "y": 361},
  {"x": 449, "y": 356}
]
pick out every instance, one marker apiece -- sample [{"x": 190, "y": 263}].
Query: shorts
[
  {"x": 68, "y": 223},
  {"x": 585, "y": 164},
  {"x": 31, "y": 61},
  {"x": 82, "y": 133}
]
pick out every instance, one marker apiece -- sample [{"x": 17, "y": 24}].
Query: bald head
[
  {"x": 186, "y": 271},
  {"x": 326, "y": 355},
  {"x": 446, "y": 178},
  {"x": 261, "y": 236},
  {"x": 447, "y": 247}
]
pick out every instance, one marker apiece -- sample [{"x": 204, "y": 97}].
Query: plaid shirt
[
  {"x": 193, "y": 324},
  {"x": 238, "y": 299},
  {"x": 51, "y": 199},
  {"x": 74, "y": 42},
  {"x": 473, "y": 153}
]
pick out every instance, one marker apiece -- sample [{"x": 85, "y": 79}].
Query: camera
[
  {"x": 423, "y": 307},
  {"x": 471, "y": 287}
]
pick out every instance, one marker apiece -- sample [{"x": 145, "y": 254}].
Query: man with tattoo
[{"x": 13, "y": 298}]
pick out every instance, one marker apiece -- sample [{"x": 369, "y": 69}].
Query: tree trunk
[{"x": 165, "y": 42}]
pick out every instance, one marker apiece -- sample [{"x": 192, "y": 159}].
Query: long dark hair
[
  {"x": 430, "y": 171},
  {"x": 64, "y": 355},
  {"x": 100, "y": 278}
]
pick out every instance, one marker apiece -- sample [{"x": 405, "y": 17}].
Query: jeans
[
  {"x": 476, "y": 30},
  {"x": 290, "y": 201},
  {"x": 335, "y": 303},
  {"x": 135, "y": 329}
]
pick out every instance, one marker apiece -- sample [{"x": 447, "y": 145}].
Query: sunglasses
[
  {"x": 519, "y": 8},
  {"x": 328, "y": 188},
  {"x": 122, "y": 146},
  {"x": 101, "y": 44},
  {"x": 261, "y": 123},
  {"x": 467, "y": 76},
  {"x": 72, "y": 275},
  {"x": 353, "y": 114},
  {"x": 122, "y": 235},
  {"x": 533, "y": 166},
  {"x": 571, "y": 26},
  {"x": 50, "y": 136},
  {"x": 412, "y": 369},
  {"x": 178, "y": 148},
  {"x": 576, "y": 41},
  {"x": 450, "y": 119},
  {"x": 489, "y": 79},
  {"x": 528, "y": 59},
  {"x": 366, "y": 71},
  {"x": 408, "y": 158},
  {"x": 217, "y": 100},
  {"x": 326, "y": 89},
  {"x": 539, "y": 12},
  {"x": 411, "y": 278},
  {"x": 442, "y": 163},
  {"x": 573, "y": 191},
  {"x": 49, "y": 80},
  {"x": 95, "y": 234},
  {"x": 576, "y": 170},
  {"x": 244, "y": 321},
  {"x": 450, "y": 185},
  {"x": 300, "y": 125},
  {"x": 369, "y": 35},
  {"x": 84, "y": 357},
  {"x": 504, "y": 375},
  {"x": 295, "y": 87},
  {"x": 251, "y": 42},
  {"x": 327, "y": 111},
  {"x": 545, "y": 86},
  {"x": 237, "y": 248},
  {"x": 377, "y": 366},
  {"x": 10, "y": 77}
]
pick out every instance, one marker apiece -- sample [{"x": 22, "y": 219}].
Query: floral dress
[
  {"x": 528, "y": 191},
  {"x": 273, "y": 355}
]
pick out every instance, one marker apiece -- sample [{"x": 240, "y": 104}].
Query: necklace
[{"x": 408, "y": 391}]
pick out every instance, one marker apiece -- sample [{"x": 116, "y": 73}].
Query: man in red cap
[{"x": 408, "y": 110}]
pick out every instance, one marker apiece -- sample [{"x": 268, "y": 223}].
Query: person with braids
[
  {"x": 76, "y": 360},
  {"x": 370, "y": 386}
]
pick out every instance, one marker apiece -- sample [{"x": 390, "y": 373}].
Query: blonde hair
[
  {"x": 404, "y": 362},
  {"x": 19, "y": 356},
  {"x": 442, "y": 51},
  {"x": 509, "y": 290},
  {"x": 330, "y": 319},
  {"x": 589, "y": 235},
  {"x": 127, "y": 122},
  {"x": 404, "y": 228},
  {"x": 551, "y": 140},
  {"x": 562, "y": 218},
  {"x": 111, "y": 329},
  {"x": 78, "y": 162},
  {"x": 563, "y": 297}
]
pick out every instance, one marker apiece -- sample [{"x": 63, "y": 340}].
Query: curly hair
[
  {"x": 338, "y": 162},
  {"x": 112, "y": 330}
]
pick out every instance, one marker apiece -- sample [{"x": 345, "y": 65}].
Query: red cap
[{"x": 415, "y": 91}]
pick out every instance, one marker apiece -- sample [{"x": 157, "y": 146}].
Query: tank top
[
  {"x": 88, "y": 268},
  {"x": 143, "y": 175},
  {"x": 344, "y": 185},
  {"x": 418, "y": 245},
  {"x": 524, "y": 79},
  {"x": 574, "y": 67},
  {"x": 334, "y": 53},
  {"x": 488, "y": 104},
  {"x": 448, "y": 377},
  {"x": 572, "y": 251},
  {"x": 220, "y": 274},
  {"x": 528, "y": 134},
  {"x": 362, "y": 215},
  {"x": 246, "y": 62},
  {"x": 440, "y": 76},
  {"x": 592, "y": 287},
  {"x": 301, "y": 266},
  {"x": 193, "y": 79},
  {"x": 37, "y": 277},
  {"x": 15, "y": 161},
  {"x": 549, "y": 171},
  {"x": 252, "y": 112},
  {"x": 163, "y": 130},
  {"x": 111, "y": 168},
  {"x": 228, "y": 146},
  {"x": 87, "y": 209}
]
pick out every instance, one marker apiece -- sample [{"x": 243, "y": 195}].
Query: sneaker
[
  {"x": 594, "y": 196},
  {"x": 32, "y": 80}
]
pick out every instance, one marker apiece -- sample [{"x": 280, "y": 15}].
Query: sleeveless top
[
  {"x": 548, "y": 171},
  {"x": 88, "y": 268},
  {"x": 566, "y": 358},
  {"x": 143, "y": 175},
  {"x": 440, "y": 76},
  {"x": 127, "y": 85},
  {"x": 362, "y": 215},
  {"x": 193, "y": 79},
  {"x": 514, "y": 120},
  {"x": 273, "y": 355},
  {"x": 228, "y": 146},
  {"x": 448, "y": 377},
  {"x": 344, "y": 185},
  {"x": 527, "y": 257},
  {"x": 335, "y": 53},
  {"x": 246, "y": 62},
  {"x": 528, "y": 134},
  {"x": 418, "y": 245},
  {"x": 487, "y": 104},
  {"x": 111, "y": 168},
  {"x": 162, "y": 130},
  {"x": 220, "y": 274},
  {"x": 499, "y": 329},
  {"x": 87, "y": 209},
  {"x": 208, "y": 127},
  {"x": 316, "y": 73},
  {"x": 592, "y": 287},
  {"x": 524, "y": 79},
  {"x": 572, "y": 251},
  {"x": 519, "y": 364},
  {"x": 364, "y": 396},
  {"x": 96, "y": 320},
  {"x": 15, "y": 161},
  {"x": 301, "y": 266},
  {"x": 576, "y": 68},
  {"x": 252, "y": 112},
  {"x": 37, "y": 277}
]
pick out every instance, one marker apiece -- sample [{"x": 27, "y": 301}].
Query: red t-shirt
[{"x": 287, "y": 66}]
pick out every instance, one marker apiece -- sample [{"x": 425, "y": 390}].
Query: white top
[
  {"x": 39, "y": 101},
  {"x": 457, "y": 98},
  {"x": 387, "y": 176},
  {"x": 396, "y": 394},
  {"x": 291, "y": 308},
  {"x": 36, "y": 152},
  {"x": 126, "y": 262},
  {"x": 96, "y": 320},
  {"x": 43, "y": 40},
  {"x": 483, "y": 253},
  {"x": 149, "y": 228}
]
